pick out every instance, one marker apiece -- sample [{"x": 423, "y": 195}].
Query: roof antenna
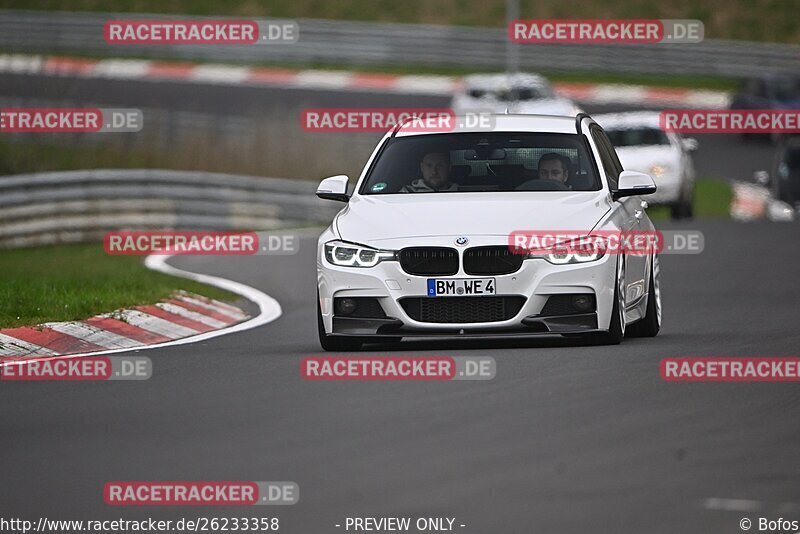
[{"x": 506, "y": 111}]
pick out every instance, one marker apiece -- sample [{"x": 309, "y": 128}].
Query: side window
[{"x": 608, "y": 156}]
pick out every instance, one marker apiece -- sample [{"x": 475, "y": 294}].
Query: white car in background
[
  {"x": 517, "y": 93},
  {"x": 424, "y": 244},
  {"x": 643, "y": 146}
]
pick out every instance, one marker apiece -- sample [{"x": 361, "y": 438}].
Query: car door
[{"x": 633, "y": 219}]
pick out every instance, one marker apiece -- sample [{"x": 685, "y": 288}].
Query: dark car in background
[
  {"x": 768, "y": 92},
  {"x": 785, "y": 179}
]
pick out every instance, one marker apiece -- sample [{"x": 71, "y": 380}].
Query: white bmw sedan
[{"x": 475, "y": 232}]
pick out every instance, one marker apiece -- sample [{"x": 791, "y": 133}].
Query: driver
[
  {"x": 435, "y": 168},
  {"x": 555, "y": 167}
]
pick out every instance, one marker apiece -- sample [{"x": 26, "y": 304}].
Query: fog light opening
[
  {"x": 345, "y": 306},
  {"x": 582, "y": 303}
]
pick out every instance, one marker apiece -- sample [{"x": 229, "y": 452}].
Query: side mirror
[
  {"x": 334, "y": 188},
  {"x": 633, "y": 183},
  {"x": 690, "y": 144}
]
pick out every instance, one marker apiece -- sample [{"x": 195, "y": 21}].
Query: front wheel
[
  {"x": 684, "y": 207},
  {"x": 616, "y": 328},
  {"x": 650, "y": 324}
]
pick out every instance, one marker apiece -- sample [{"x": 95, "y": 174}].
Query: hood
[{"x": 377, "y": 219}]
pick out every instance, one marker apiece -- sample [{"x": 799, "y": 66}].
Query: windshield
[
  {"x": 514, "y": 94},
  {"x": 637, "y": 137},
  {"x": 481, "y": 162}
]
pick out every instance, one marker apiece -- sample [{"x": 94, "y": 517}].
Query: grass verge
[
  {"x": 74, "y": 282},
  {"x": 712, "y": 200},
  {"x": 26, "y": 156}
]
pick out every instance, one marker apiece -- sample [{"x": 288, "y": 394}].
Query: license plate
[{"x": 460, "y": 287}]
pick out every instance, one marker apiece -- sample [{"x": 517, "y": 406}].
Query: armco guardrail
[
  {"x": 365, "y": 43},
  {"x": 73, "y": 206}
]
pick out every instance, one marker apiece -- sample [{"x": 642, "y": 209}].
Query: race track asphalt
[{"x": 566, "y": 438}]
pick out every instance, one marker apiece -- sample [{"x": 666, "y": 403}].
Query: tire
[
  {"x": 650, "y": 324},
  {"x": 683, "y": 208},
  {"x": 335, "y": 343},
  {"x": 690, "y": 208},
  {"x": 616, "y": 328}
]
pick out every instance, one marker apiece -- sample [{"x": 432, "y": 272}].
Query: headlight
[
  {"x": 657, "y": 171},
  {"x": 351, "y": 255},
  {"x": 579, "y": 250}
]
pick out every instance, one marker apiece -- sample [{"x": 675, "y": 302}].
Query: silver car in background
[{"x": 512, "y": 93}]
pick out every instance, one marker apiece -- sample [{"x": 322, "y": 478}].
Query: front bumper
[
  {"x": 535, "y": 281},
  {"x": 532, "y": 325}
]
